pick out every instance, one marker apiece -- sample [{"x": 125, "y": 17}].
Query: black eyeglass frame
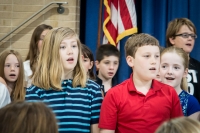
[{"x": 186, "y": 35}]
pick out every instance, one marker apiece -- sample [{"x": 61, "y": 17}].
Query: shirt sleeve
[
  {"x": 32, "y": 94},
  {"x": 193, "y": 105},
  {"x": 108, "y": 114},
  {"x": 95, "y": 106},
  {"x": 176, "y": 106},
  {"x": 4, "y": 96}
]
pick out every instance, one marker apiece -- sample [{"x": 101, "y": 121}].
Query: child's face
[
  {"x": 186, "y": 43},
  {"x": 69, "y": 53},
  {"x": 108, "y": 67},
  {"x": 87, "y": 64},
  {"x": 41, "y": 39},
  {"x": 172, "y": 70},
  {"x": 11, "y": 68},
  {"x": 146, "y": 62}
]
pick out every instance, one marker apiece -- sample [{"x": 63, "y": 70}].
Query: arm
[
  {"x": 94, "y": 128},
  {"x": 195, "y": 116},
  {"x": 107, "y": 131},
  {"x": 4, "y": 95}
]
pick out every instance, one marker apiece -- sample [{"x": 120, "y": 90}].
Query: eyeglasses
[{"x": 186, "y": 35}]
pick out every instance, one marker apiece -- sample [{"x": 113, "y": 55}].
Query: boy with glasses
[{"x": 181, "y": 33}]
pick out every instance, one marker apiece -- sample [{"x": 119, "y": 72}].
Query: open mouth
[
  {"x": 188, "y": 44},
  {"x": 12, "y": 75},
  {"x": 110, "y": 73},
  {"x": 70, "y": 59},
  {"x": 153, "y": 68},
  {"x": 170, "y": 78}
]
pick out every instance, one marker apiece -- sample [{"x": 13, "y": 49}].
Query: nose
[
  {"x": 12, "y": 68},
  {"x": 170, "y": 71},
  {"x": 111, "y": 66},
  {"x": 69, "y": 50}
]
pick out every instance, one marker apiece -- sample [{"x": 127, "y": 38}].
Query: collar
[{"x": 155, "y": 86}]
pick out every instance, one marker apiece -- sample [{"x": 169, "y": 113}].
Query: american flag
[{"x": 119, "y": 20}]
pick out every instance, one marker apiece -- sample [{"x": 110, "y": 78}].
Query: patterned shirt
[
  {"x": 75, "y": 108},
  {"x": 189, "y": 103}
]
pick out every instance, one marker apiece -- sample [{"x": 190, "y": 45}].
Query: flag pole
[{"x": 99, "y": 24}]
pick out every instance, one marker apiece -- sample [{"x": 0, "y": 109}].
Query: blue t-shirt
[
  {"x": 189, "y": 103},
  {"x": 75, "y": 108}
]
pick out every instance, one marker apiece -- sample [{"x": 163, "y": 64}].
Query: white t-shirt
[
  {"x": 28, "y": 72},
  {"x": 4, "y": 95}
]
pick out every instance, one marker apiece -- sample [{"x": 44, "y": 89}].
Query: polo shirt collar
[{"x": 156, "y": 85}]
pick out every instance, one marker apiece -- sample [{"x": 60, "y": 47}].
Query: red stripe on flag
[{"x": 125, "y": 15}]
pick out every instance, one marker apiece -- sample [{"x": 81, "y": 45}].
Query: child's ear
[
  {"x": 97, "y": 64},
  {"x": 130, "y": 61},
  {"x": 82, "y": 57},
  {"x": 171, "y": 39},
  {"x": 185, "y": 73}
]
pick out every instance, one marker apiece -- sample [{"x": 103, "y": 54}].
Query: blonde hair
[
  {"x": 18, "y": 93},
  {"x": 184, "y": 56},
  {"x": 139, "y": 40},
  {"x": 175, "y": 25},
  {"x": 49, "y": 72},
  {"x": 180, "y": 125},
  {"x": 27, "y": 117}
]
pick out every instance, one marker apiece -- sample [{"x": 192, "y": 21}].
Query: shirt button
[{"x": 65, "y": 82}]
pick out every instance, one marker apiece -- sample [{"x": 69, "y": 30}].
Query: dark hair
[
  {"x": 87, "y": 53},
  {"x": 107, "y": 50},
  {"x": 33, "y": 47},
  {"x": 27, "y": 117}
]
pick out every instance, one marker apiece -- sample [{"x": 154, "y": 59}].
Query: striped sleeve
[{"x": 96, "y": 105}]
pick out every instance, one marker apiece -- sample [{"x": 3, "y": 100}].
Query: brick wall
[{"x": 14, "y": 12}]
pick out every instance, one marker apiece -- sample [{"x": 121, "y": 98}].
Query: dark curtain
[{"x": 152, "y": 18}]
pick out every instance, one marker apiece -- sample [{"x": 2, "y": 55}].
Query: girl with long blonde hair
[{"x": 61, "y": 82}]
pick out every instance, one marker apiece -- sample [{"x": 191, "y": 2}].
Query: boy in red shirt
[{"x": 139, "y": 104}]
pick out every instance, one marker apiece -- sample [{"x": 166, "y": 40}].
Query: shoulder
[
  {"x": 167, "y": 90},
  {"x": 3, "y": 88},
  {"x": 92, "y": 84},
  {"x": 194, "y": 63},
  {"x": 34, "y": 89},
  {"x": 2, "y": 81},
  {"x": 26, "y": 63}
]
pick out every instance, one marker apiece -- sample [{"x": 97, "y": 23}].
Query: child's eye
[
  {"x": 164, "y": 66},
  {"x": 17, "y": 66},
  {"x": 62, "y": 47},
  {"x": 176, "y": 67},
  {"x": 7, "y": 65},
  {"x": 106, "y": 62},
  {"x": 157, "y": 56},
  {"x": 146, "y": 56},
  {"x": 74, "y": 46}
]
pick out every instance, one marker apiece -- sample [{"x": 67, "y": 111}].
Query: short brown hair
[
  {"x": 174, "y": 27},
  {"x": 138, "y": 40},
  {"x": 27, "y": 117}
]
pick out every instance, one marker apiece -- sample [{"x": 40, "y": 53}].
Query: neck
[
  {"x": 141, "y": 85},
  {"x": 68, "y": 74},
  {"x": 178, "y": 90},
  {"x": 10, "y": 86}
]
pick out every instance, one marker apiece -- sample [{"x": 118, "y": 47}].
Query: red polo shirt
[{"x": 126, "y": 110}]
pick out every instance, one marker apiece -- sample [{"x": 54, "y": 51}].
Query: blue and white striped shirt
[{"x": 76, "y": 109}]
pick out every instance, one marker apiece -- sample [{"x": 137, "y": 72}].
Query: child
[
  {"x": 180, "y": 125},
  {"x": 61, "y": 82},
  {"x": 139, "y": 104},
  {"x": 181, "y": 32},
  {"x": 12, "y": 71},
  {"x": 34, "y": 50},
  {"x": 173, "y": 71},
  {"x": 4, "y": 94},
  {"x": 88, "y": 61},
  {"x": 27, "y": 117},
  {"x": 107, "y": 63}
]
